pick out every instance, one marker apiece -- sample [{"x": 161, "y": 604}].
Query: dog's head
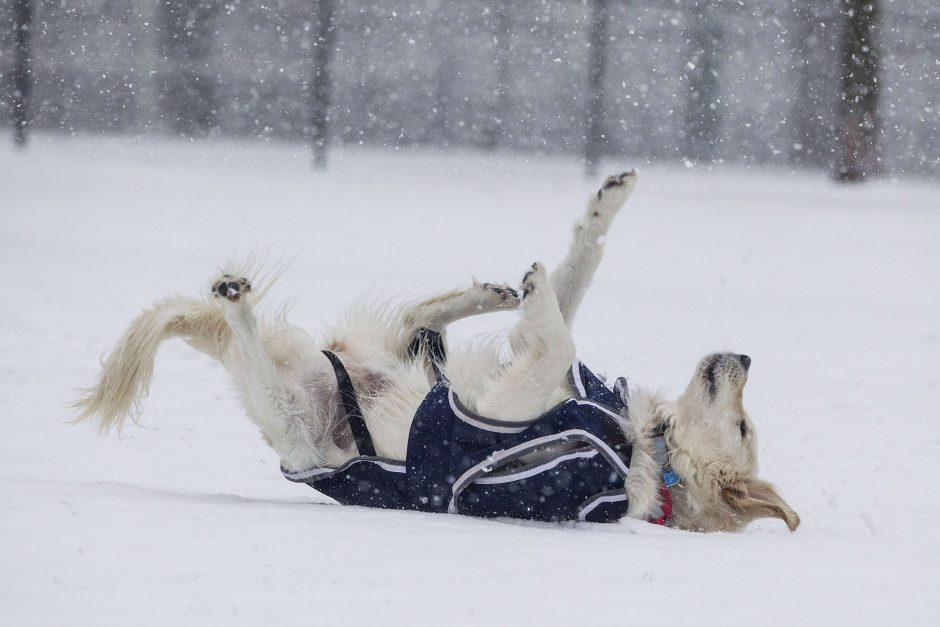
[{"x": 713, "y": 448}]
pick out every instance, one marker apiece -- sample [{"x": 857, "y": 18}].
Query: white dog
[{"x": 370, "y": 397}]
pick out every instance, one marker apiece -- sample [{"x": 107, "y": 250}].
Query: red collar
[
  {"x": 669, "y": 476},
  {"x": 665, "y": 506}
]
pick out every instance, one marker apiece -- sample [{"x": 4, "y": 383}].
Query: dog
[{"x": 365, "y": 395}]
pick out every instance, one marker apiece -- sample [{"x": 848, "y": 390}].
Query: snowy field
[{"x": 185, "y": 519}]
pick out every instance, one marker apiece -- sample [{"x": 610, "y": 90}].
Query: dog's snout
[{"x": 745, "y": 361}]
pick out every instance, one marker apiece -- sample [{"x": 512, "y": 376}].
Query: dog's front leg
[
  {"x": 423, "y": 324},
  {"x": 289, "y": 423},
  {"x": 573, "y": 276},
  {"x": 543, "y": 350},
  {"x": 437, "y": 312}
]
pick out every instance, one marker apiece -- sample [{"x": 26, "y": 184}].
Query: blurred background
[
  {"x": 392, "y": 149},
  {"x": 848, "y": 87}
]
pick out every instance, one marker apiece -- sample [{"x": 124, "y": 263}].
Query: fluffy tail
[{"x": 126, "y": 373}]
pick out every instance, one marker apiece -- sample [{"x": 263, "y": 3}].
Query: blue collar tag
[
  {"x": 670, "y": 478},
  {"x": 661, "y": 454}
]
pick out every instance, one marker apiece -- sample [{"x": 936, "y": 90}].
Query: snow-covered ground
[{"x": 185, "y": 520}]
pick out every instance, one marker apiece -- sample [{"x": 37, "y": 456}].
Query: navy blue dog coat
[{"x": 568, "y": 464}]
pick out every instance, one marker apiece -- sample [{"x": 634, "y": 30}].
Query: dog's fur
[{"x": 289, "y": 390}]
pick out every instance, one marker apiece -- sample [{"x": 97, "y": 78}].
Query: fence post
[
  {"x": 324, "y": 33},
  {"x": 594, "y": 141},
  {"x": 22, "y": 71},
  {"x": 857, "y": 126}
]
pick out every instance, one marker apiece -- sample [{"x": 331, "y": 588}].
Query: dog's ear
[{"x": 753, "y": 498}]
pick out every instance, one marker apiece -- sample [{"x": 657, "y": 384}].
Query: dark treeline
[{"x": 814, "y": 83}]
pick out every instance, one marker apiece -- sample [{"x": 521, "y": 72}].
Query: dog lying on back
[{"x": 393, "y": 360}]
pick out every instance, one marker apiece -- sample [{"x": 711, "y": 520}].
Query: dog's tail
[{"x": 126, "y": 372}]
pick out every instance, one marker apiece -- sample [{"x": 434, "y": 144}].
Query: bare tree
[
  {"x": 188, "y": 91},
  {"x": 442, "y": 25},
  {"x": 594, "y": 141},
  {"x": 703, "y": 114},
  {"x": 445, "y": 77},
  {"x": 499, "y": 104},
  {"x": 324, "y": 34},
  {"x": 857, "y": 127},
  {"x": 22, "y": 71},
  {"x": 812, "y": 110}
]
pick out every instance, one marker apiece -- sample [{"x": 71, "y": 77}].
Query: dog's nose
[{"x": 745, "y": 361}]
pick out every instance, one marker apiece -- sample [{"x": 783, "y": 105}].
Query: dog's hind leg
[
  {"x": 543, "y": 350},
  {"x": 574, "y": 274},
  {"x": 277, "y": 399}
]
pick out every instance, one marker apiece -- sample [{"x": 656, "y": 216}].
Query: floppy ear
[{"x": 753, "y": 498}]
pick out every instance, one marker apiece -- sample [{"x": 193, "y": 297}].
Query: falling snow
[{"x": 688, "y": 80}]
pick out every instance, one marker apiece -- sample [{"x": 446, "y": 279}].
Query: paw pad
[
  {"x": 528, "y": 281},
  {"x": 231, "y": 288},
  {"x": 616, "y": 180},
  {"x": 505, "y": 292}
]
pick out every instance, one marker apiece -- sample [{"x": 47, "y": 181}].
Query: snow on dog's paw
[
  {"x": 500, "y": 295},
  {"x": 613, "y": 193},
  {"x": 231, "y": 288},
  {"x": 533, "y": 279}
]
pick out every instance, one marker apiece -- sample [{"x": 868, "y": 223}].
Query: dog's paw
[
  {"x": 612, "y": 194},
  {"x": 617, "y": 184},
  {"x": 500, "y": 295},
  {"x": 533, "y": 280},
  {"x": 231, "y": 288}
]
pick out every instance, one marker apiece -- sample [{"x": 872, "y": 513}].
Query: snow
[{"x": 185, "y": 519}]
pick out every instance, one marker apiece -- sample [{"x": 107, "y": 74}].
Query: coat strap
[{"x": 347, "y": 394}]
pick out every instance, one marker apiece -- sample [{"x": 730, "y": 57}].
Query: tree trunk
[
  {"x": 22, "y": 72},
  {"x": 703, "y": 116},
  {"x": 151, "y": 68},
  {"x": 325, "y": 33},
  {"x": 444, "y": 77},
  {"x": 499, "y": 106},
  {"x": 188, "y": 92},
  {"x": 595, "y": 141},
  {"x": 859, "y": 155}
]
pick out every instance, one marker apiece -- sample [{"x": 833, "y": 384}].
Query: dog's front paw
[
  {"x": 231, "y": 288},
  {"x": 500, "y": 295},
  {"x": 533, "y": 279}
]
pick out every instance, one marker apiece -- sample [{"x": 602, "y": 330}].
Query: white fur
[{"x": 289, "y": 391}]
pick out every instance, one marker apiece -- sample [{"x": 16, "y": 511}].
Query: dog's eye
[{"x": 743, "y": 427}]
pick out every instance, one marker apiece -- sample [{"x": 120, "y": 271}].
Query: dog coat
[{"x": 567, "y": 464}]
